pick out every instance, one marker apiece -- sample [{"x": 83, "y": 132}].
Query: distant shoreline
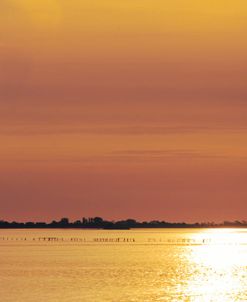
[
  {"x": 100, "y": 223},
  {"x": 123, "y": 229}
]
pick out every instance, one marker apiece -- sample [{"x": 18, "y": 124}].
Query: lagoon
[{"x": 137, "y": 265}]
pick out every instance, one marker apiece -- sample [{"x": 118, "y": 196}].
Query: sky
[{"x": 119, "y": 109}]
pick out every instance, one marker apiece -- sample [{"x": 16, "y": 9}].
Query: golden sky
[{"x": 123, "y": 108}]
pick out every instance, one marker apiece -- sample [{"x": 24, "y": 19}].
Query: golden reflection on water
[
  {"x": 219, "y": 267},
  {"x": 165, "y": 265}
]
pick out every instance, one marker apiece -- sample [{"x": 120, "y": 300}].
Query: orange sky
[{"x": 123, "y": 108}]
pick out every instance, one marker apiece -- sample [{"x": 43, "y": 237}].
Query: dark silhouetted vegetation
[{"x": 100, "y": 223}]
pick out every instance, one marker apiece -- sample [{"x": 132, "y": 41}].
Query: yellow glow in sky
[{"x": 158, "y": 86}]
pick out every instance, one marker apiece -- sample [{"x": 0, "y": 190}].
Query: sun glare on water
[{"x": 218, "y": 267}]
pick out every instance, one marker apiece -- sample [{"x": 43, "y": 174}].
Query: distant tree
[
  {"x": 131, "y": 221},
  {"x": 64, "y": 221},
  {"x": 84, "y": 220},
  {"x": 98, "y": 220}
]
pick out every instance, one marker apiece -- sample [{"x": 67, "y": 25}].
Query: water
[{"x": 123, "y": 266}]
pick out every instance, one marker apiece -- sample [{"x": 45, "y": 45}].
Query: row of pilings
[{"x": 71, "y": 239}]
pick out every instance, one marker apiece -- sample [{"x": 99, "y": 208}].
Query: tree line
[{"x": 100, "y": 223}]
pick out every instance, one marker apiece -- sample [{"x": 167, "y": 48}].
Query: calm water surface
[{"x": 123, "y": 266}]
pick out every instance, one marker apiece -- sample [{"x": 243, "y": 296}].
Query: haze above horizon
[{"x": 123, "y": 108}]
